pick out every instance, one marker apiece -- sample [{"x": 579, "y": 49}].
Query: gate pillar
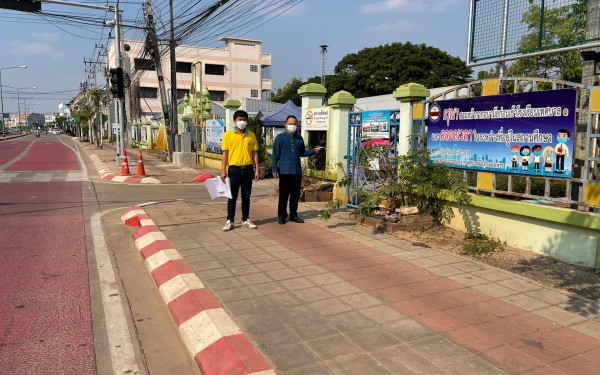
[
  {"x": 407, "y": 95},
  {"x": 231, "y": 105},
  {"x": 341, "y": 104}
]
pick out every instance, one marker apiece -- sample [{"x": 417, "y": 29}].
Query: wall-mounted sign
[
  {"x": 214, "y": 135},
  {"x": 316, "y": 119},
  {"x": 525, "y": 133}
]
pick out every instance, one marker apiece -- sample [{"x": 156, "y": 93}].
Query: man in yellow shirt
[{"x": 240, "y": 164}]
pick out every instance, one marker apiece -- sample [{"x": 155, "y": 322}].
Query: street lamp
[
  {"x": 19, "y": 100},
  {"x": 1, "y": 99}
]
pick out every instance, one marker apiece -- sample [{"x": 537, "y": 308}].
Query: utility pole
[
  {"x": 323, "y": 52},
  {"x": 173, "y": 72},
  {"x": 153, "y": 48}
]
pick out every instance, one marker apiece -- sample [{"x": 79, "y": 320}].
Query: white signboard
[{"x": 316, "y": 119}]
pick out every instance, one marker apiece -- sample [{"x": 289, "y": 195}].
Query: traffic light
[{"x": 116, "y": 83}]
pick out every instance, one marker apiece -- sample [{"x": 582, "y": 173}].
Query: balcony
[
  {"x": 265, "y": 59},
  {"x": 267, "y": 84}
]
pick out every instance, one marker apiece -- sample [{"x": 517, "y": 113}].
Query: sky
[{"x": 54, "y": 50}]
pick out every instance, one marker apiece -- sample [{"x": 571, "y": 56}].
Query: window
[
  {"x": 181, "y": 93},
  {"x": 254, "y": 68},
  {"x": 183, "y": 67},
  {"x": 213, "y": 69},
  {"x": 144, "y": 64},
  {"x": 217, "y": 96},
  {"x": 254, "y": 93},
  {"x": 148, "y": 92}
]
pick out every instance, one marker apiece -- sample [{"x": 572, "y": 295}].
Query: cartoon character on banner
[
  {"x": 561, "y": 149},
  {"x": 548, "y": 153},
  {"x": 514, "y": 150},
  {"x": 537, "y": 157},
  {"x": 525, "y": 151}
]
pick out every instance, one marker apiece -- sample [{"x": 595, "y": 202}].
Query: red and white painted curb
[
  {"x": 217, "y": 344},
  {"x": 107, "y": 174}
]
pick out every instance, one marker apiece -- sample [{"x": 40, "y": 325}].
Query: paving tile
[
  {"x": 444, "y": 285},
  {"x": 244, "y": 269},
  {"x": 281, "y": 301},
  {"x": 297, "y": 283},
  {"x": 587, "y": 309},
  {"x": 546, "y": 370},
  {"x": 472, "y": 339},
  {"x": 310, "y": 270},
  {"x": 235, "y": 294},
  {"x": 439, "y": 321},
  {"x": 292, "y": 357},
  {"x": 499, "y": 308},
  {"x": 296, "y": 262},
  {"x": 525, "y": 302},
  {"x": 468, "y": 279},
  {"x": 418, "y": 289},
  {"x": 470, "y": 314},
  {"x": 373, "y": 339},
  {"x": 468, "y": 266},
  {"x": 198, "y": 258},
  {"x": 350, "y": 321},
  {"x": 225, "y": 283},
  {"x": 255, "y": 278},
  {"x": 404, "y": 360},
  {"x": 329, "y": 306},
  {"x": 577, "y": 365},
  {"x": 569, "y": 338},
  {"x": 475, "y": 366},
  {"x": 530, "y": 323},
  {"x": 260, "y": 258},
  {"x": 324, "y": 279},
  {"x": 266, "y": 288},
  {"x": 391, "y": 294},
  {"x": 492, "y": 275},
  {"x": 519, "y": 285},
  {"x": 549, "y": 296},
  {"x": 231, "y": 262},
  {"x": 589, "y": 327},
  {"x": 447, "y": 258},
  {"x": 311, "y": 328},
  {"x": 445, "y": 270},
  {"x": 320, "y": 369},
  {"x": 500, "y": 331},
  {"x": 206, "y": 266},
  {"x": 334, "y": 346},
  {"x": 275, "y": 337},
  {"x": 271, "y": 266},
  {"x": 511, "y": 360},
  {"x": 543, "y": 350},
  {"x": 340, "y": 289},
  {"x": 283, "y": 274},
  {"x": 593, "y": 355},
  {"x": 425, "y": 262},
  {"x": 495, "y": 290},
  {"x": 408, "y": 330},
  {"x": 357, "y": 365},
  {"x": 382, "y": 314},
  {"x": 251, "y": 306},
  {"x": 213, "y": 274},
  {"x": 312, "y": 294},
  {"x": 559, "y": 315},
  {"x": 441, "y": 351},
  {"x": 413, "y": 307}
]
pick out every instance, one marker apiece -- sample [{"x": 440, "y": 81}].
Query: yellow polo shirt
[{"x": 240, "y": 147}]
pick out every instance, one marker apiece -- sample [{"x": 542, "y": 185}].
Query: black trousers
[
  {"x": 240, "y": 178},
  {"x": 289, "y": 189}
]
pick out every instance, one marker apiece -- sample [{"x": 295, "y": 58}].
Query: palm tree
[{"x": 97, "y": 100}]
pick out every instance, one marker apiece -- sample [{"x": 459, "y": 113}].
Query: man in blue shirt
[{"x": 287, "y": 150}]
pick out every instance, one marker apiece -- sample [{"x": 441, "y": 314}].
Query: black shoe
[
  {"x": 296, "y": 219},
  {"x": 281, "y": 221}
]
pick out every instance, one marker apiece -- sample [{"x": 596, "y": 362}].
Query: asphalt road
[{"x": 76, "y": 298}]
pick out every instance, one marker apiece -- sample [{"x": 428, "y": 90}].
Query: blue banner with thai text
[{"x": 525, "y": 133}]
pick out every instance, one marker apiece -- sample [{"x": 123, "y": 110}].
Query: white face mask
[
  {"x": 241, "y": 124},
  {"x": 291, "y": 128}
]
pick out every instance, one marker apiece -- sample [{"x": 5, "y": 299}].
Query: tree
[
  {"x": 60, "y": 122},
  {"x": 380, "y": 70},
  {"x": 562, "y": 26},
  {"x": 288, "y": 92},
  {"x": 82, "y": 116},
  {"x": 97, "y": 99}
]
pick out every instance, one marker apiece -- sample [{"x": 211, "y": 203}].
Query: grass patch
[{"x": 478, "y": 244}]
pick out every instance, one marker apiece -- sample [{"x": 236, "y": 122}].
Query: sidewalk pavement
[{"x": 332, "y": 297}]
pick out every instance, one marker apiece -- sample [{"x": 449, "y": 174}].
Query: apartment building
[{"x": 238, "y": 70}]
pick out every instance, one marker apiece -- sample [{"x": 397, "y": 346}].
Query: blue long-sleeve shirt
[{"x": 287, "y": 150}]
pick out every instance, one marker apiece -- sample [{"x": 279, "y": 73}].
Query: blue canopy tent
[{"x": 277, "y": 117}]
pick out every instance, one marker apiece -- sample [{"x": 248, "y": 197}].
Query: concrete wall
[{"x": 565, "y": 234}]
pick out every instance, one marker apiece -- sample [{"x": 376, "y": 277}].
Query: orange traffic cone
[
  {"x": 124, "y": 165},
  {"x": 141, "y": 171}
]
